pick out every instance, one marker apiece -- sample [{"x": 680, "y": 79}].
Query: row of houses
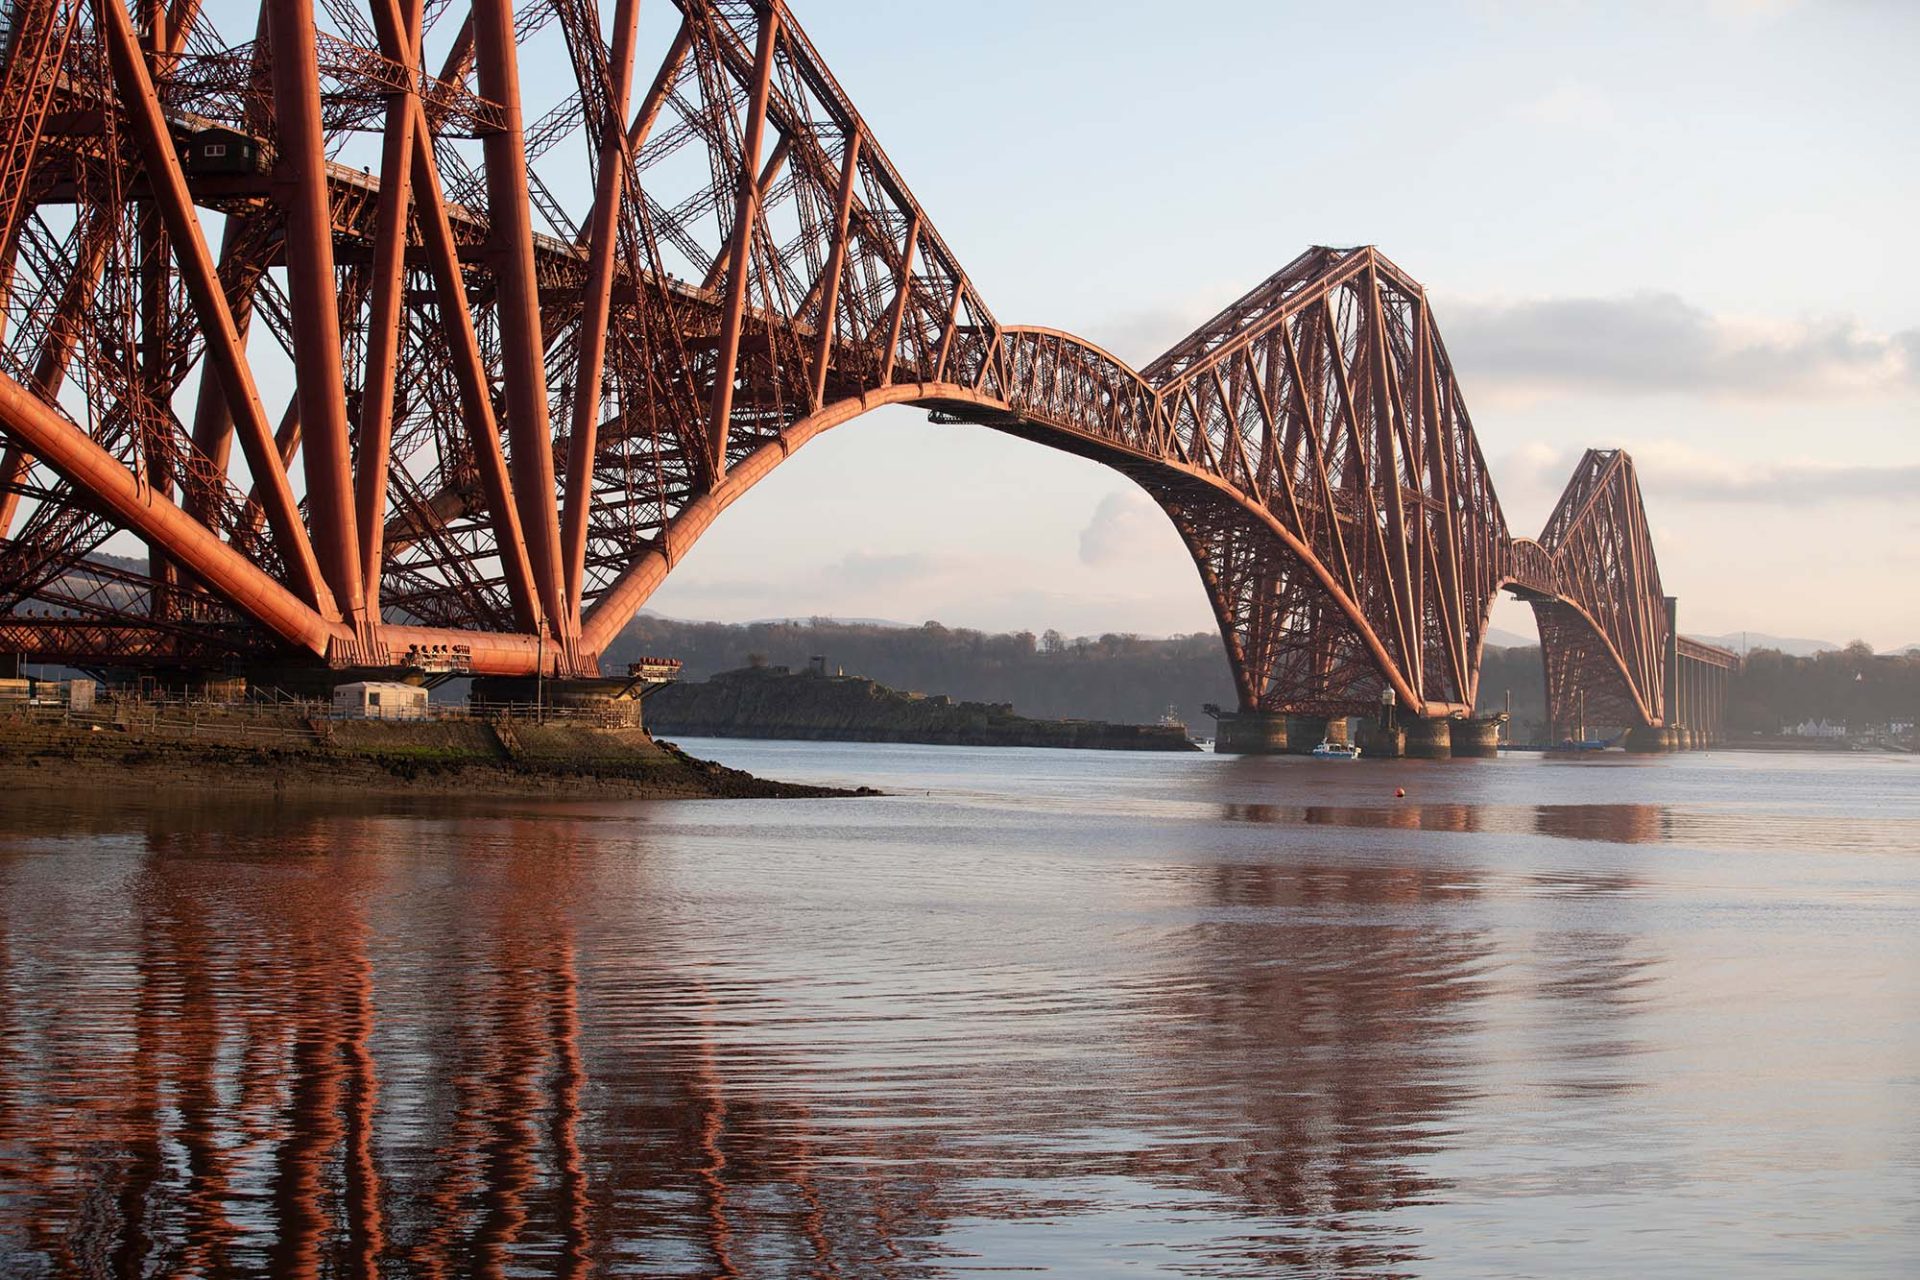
[{"x": 1830, "y": 730}]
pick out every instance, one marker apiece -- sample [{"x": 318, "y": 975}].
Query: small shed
[
  {"x": 220, "y": 150},
  {"x": 380, "y": 700}
]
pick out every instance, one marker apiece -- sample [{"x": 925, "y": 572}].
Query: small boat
[{"x": 1335, "y": 751}]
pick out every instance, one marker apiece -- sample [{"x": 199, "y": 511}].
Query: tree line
[
  {"x": 1136, "y": 680},
  {"x": 1125, "y": 679},
  {"x": 1771, "y": 691},
  {"x": 1853, "y": 686}
]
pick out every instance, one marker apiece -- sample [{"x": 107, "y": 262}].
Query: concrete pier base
[
  {"x": 1251, "y": 733},
  {"x": 1645, "y": 741},
  {"x": 1478, "y": 739},
  {"x": 1429, "y": 739},
  {"x": 608, "y": 698},
  {"x": 1380, "y": 743}
]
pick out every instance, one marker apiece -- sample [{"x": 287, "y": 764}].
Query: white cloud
[
  {"x": 887, "y": 569},
  {"x": 1685, "y": 472},
  {"x": 1658, "y": 342},
  {"x": 1138, "y": 337},
  {"x": 1125, "y": 526},
  {"x": 1674, "y": 470}
]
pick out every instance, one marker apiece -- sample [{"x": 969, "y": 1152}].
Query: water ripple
[{"x": 972, "y": 1031}]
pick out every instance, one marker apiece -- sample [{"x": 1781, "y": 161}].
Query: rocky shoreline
[{"x": 243, "y": 749}]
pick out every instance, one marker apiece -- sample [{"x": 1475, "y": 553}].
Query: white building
[{"x": 380, "y": 700}]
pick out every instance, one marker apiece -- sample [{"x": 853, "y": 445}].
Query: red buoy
[{"x": 1399, "y": 793}]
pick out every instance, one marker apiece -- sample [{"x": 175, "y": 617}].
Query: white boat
[{"x": 1335, "y": 751}]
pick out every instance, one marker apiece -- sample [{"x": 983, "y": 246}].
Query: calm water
[{"x": 1042, "y": 1012}]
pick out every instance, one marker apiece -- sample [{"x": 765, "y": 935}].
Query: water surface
[{"x": 1058, "y": 1012}]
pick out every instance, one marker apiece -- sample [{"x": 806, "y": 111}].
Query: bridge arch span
[
  {"x": 1606, "y": 625},
  {"x": 1576, "y": 649},
  {"x": 1191, "y": 497},
  {"x": 1588, "y": 683}
]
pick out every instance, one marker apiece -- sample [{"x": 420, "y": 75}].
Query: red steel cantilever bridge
[{"x": 542, "y": 329}]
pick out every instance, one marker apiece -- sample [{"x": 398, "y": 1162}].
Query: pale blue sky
[{"x": 1686, "y": 228}]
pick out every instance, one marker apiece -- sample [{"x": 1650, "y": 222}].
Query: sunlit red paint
[{"x": 513, "y": 419}]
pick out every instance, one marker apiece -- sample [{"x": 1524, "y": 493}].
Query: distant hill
[
  {"x": 126, "y": 564},
  {"x": 1751, "y": 640},
  {"x": 1127, "y": 679},
  {"x": 1513, "y": 679},
  {"x": 1123, "y": 679},
  {"x": 1788, "y": 645},
  {"x": 851, "y": 622}
]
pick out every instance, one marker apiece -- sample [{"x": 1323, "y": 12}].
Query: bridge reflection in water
[
  {"x": 1612, "y": 823},
  {"x": 450, "y": 1047}
]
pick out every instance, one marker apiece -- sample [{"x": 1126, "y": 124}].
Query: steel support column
[
  {"x": 313, "y": 291},
  {"x": 740, "y": 262},
  {"x": 523, "y": 350},
  {"x": 595, "y": 302},
  {"x": 400, "y": 33},
  {"x": 830, "y": 274}
]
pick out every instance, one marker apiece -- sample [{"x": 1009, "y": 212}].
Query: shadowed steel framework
[{"x": 541, "y": 335}]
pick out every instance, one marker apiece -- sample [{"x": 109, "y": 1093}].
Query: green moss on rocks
[{"x": 237, "y": 750}]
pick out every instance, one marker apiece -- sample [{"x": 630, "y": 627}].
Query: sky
[{"x": 1686, "y": 229}]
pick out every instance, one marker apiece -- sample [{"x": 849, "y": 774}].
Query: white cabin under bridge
[{"x": 379, "y": 700}]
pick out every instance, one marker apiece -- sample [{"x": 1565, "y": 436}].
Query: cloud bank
[
  {"x": 1674, "y": 470},
  {"x": 1648, "y": 343},
  {"x": 1125, "y": 526}
]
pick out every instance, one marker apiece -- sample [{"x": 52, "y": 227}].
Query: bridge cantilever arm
[{"x": 74, "y": 454}]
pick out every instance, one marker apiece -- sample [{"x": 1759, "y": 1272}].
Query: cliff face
[{"x": 772, "y": 703}]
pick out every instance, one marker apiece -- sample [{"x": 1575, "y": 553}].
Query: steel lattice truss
[
  {"x": 1604, "y": 627},
  {"x": 1326, "y": 398},
  {"x": 545, "y": 326}
]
